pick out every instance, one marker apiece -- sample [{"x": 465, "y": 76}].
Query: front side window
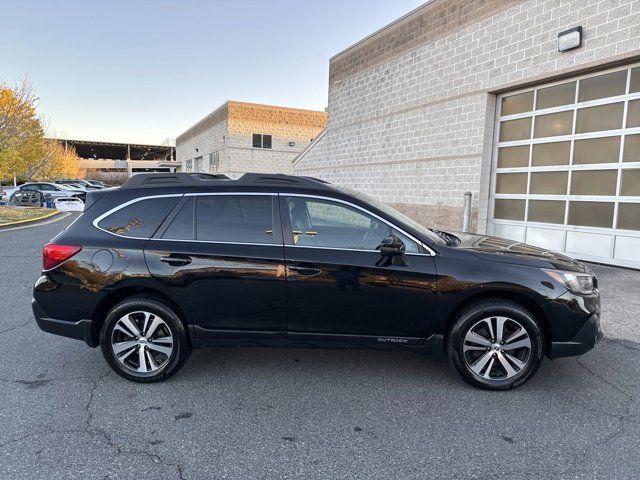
[
  {"x": 234, "y": 218},
  {"x": 260, "y": 140},
  {"x": 139, "y": 219},
  {"x": 329, "y": 224}
]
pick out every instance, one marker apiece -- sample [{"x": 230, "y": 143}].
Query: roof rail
[
  {"x": 143, "y": 180},
  {"x": 151, "y": 180}
]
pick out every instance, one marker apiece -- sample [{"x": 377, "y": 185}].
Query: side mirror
[{"x": 391, "y": 246}]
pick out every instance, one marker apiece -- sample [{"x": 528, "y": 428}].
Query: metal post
[{"x": 466, "y": 214}]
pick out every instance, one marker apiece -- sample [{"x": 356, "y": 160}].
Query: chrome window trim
[{"x": 430, "y": 252}]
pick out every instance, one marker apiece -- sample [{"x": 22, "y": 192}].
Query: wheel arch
[
  {"x": 116, "y": 296},
  {"x": 522, "y": 299}
]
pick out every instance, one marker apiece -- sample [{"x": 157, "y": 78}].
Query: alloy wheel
[
  {"x": 142, "y": 342},
  {"x": 496, "y": 348}
]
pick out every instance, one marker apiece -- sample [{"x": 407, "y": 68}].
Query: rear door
[{"x": 222, "y": 256}]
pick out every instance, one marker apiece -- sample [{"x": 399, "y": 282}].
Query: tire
[
  {"x": 486, "y": 362},
  {"x": 144, "y": 323}
]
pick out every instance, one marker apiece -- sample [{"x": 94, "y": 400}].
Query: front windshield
[{"x": 393, "y": 213}]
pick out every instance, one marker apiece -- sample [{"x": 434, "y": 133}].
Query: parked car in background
[
  {"x": 5, "y": 194},
  {"x": 99, "y": 184},
  {"x": 53, "y": 190},
  {"x": 79, "y": 183},
  {"x": 169, "y": 262}
]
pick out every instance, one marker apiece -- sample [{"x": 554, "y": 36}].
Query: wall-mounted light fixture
[
  {"x": 197, "y": 150},
  {"x": 292, "y": 144},
  {"x": 570, "y": 39}
]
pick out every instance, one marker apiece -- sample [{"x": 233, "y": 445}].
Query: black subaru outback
[{"x": 170, "y": 262}]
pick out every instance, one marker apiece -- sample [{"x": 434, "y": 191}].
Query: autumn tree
[
  {"x": 21, "y": 131},
  {"x": 24, "y": 152}
]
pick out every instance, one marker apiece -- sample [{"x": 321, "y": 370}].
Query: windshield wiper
[{"x": 450, "y": 238}]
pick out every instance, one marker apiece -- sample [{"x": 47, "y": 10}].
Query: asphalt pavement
[{"x": 308, "y": 414}]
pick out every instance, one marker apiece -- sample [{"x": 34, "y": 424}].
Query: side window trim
[
  {"x": 428, "y": 252},
  {"x": 275, "y": 212}
]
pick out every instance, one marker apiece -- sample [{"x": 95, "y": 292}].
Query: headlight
[{"x": 578, "y": 283}]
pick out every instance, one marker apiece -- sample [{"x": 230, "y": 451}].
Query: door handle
[
  {"x": 176, "y": 260},
  {"x": 306, "y": 270}
]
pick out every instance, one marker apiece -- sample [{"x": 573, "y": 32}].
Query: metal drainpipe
[{"x": 466, "y": 214}]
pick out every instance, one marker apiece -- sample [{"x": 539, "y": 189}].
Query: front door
[
  {"x": 338, "y": 285},
  {"x": 221, "y": 255}
]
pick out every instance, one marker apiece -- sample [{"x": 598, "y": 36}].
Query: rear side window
[
  {"x": 182, "y": 226},
  {"x": 139, "y": 219},
  {"x": 234, "y": 218}
]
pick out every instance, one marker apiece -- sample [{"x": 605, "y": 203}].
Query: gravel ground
[{"x": 267, "y": 413}]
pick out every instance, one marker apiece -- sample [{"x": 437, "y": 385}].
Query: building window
[
  {"x": 214, "y": 162},
  {"x": 189, "y": 166},
  {"x": 261, "y": 141}
]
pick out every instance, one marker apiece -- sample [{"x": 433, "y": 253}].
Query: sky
[{"x": 144, "y": 71}]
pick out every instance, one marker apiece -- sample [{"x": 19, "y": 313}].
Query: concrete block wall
[{"x": 411, "y": 124}]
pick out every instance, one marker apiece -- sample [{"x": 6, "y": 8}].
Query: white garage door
[{"x": 566, "y": 167}]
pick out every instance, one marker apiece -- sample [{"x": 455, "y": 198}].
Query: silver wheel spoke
[
  {"x": 161, "y": 348},
  {"x": 514, "y": 360},
  {"x": 127, "y": 322},
  {"x": 500, "y": 321},
  {"x": 525, "y": 342},
  {"x": 152, "y": 362},
  {"x": 521, "y": 331},
  {"x": 124, "y": 357},
  {"x": 506, "y": 365},
  {"x": 167, "y": 340},
  {"x": 475, "y": 338},
  {"x": 147, "y": 316},
  {"x": 467, "y": 348},
  {"x": 487, "y": 373},
  {"x": 122, "y": 346},
  {"x": 142, "y": 359},
  {"x": 154, "y": 325},
  {"x": 481, "y": 362},
  {"x": 488, "y": 321}
]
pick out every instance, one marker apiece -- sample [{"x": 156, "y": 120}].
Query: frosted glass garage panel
[
  {"x": 511, "y": 232},
  {"x": 627, "y": 248},
  {"x": 631, "y": 148},
  {"x": 520, "y": 103},
  {"x": 596, "y": 150},
  {"x": 513, "y": 157},
  {"x": 602, "y": 86},
  {"x": 548, "y": 238},
  {"x": 600, "y": 118},
  {"x": 591, "y": 214},
  {"x": 546, "y": 154},
  {"x": 633, "y": 114},
  {"x": 515, "y": 130},
  {"x": 506, "y": 209},
  {"x": 592, "y": 244},
  {"x": 553, "y": 124},
  {"x": 556, "y": 96}
]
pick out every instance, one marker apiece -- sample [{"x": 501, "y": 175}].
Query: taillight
[{"x": 53, "y": 254}]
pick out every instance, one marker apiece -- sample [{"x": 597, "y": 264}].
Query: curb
[{"x": 30, "y": 221}]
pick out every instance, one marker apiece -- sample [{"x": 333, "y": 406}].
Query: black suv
[{"x": 170, "y": 262}]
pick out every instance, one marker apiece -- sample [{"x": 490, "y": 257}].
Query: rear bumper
[
  {"x": 582, "y": 342},
  {"x": 80, "y": 330}
]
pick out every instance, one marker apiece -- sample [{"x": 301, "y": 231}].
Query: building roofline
[
  {"x": 304, "y": 152},
  {"x": 388, "y": 26},
  {"x": 223, "y": 112}
]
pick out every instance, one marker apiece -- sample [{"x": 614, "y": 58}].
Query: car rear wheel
[
  {"x": 144, "y": 340},
  {"x": 496, "y": 345}
]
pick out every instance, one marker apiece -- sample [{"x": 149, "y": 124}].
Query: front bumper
[
  {"x": 80, "y": 330},
  {"x": 582, "y": 342}
]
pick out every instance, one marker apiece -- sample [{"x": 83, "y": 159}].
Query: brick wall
[{"x": 411, "y": 109}]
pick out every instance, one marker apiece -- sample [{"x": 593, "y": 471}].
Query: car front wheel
[
  {"x": 496, "y": 344},
  {"x": 143, "y": 340}
]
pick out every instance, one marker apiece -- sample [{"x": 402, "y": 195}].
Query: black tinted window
[
  {"x": 234, "y": 218},
  {"x": 182, "y": 226},
  {"x": 140, "y": 219},
  {"x": 266, "y": 141},
  {"x": 257, "y": 140},
  {"x": 328, "y": 224}
]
